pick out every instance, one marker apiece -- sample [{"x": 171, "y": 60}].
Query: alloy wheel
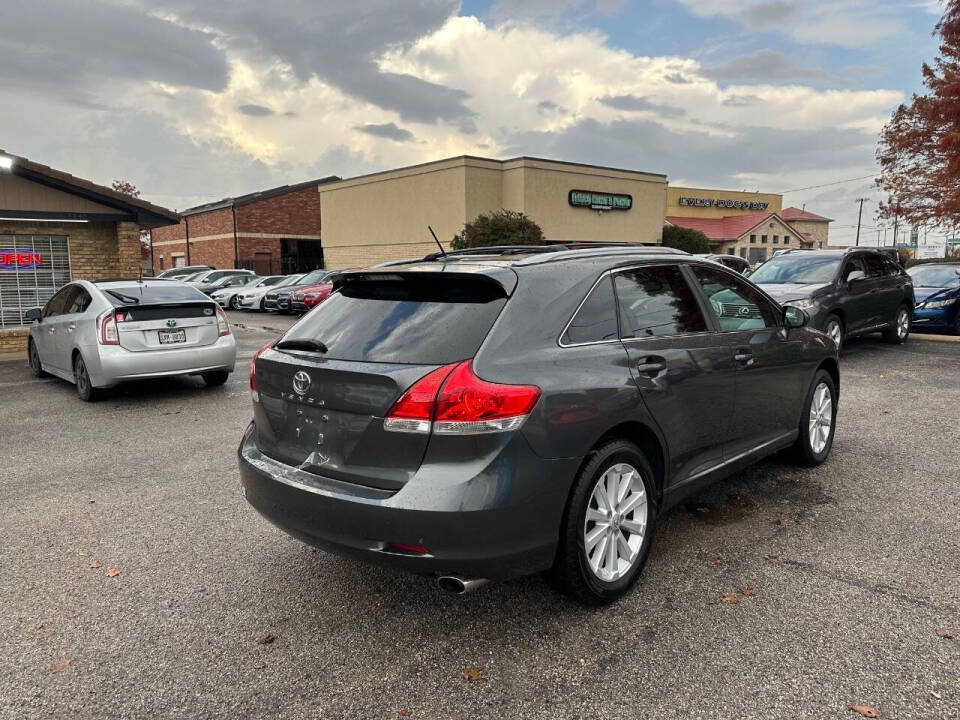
[
  {"x": 834, "y": 331},
  {"x": 615, "y": 523},
  {"x": 80, "y": 375},
  {"x": 903, "y": 323},
  {"x": 821, "y": 417}
]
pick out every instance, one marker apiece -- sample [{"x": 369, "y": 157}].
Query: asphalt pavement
[{"x": 137, "y": 583}]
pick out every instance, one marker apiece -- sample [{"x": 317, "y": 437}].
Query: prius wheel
[
  {"x": 833, "y": 327},
  {"x": 215, "y": 378},
  {"x": 85, "y": 388},
  {"x": 817, "y": 421},
  {"x": 901, "y": 327},
  {"x": 609, "y": 525},
  {"x": 33, "y": 356}
]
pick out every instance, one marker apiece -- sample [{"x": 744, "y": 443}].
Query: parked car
[
  {"x": 179, "y": 273},
  {"x": 100, "y": 334},
  {"x": 733, "y": 262},
  {"x": 476, "y": 417},
  {"x": 309, "y": 297},
  {"x": 845, "y": 292},
  {"x": 279, "y": 300},
  {"x": 227, "y": 288},
  {"x": 937, "y": 289},
  {"x": 214, "y": 279},
  {"x": 252, "y": 298}
]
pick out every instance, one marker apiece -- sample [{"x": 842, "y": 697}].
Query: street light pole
[{"x": 859, "y": 217}]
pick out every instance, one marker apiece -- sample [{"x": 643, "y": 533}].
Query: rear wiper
[
  {"x": 128, "y": 299},
  {"x": 302, "y": 344}
]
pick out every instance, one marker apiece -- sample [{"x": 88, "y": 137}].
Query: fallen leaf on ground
[
  {"x": 60, "y": 666},
  {"x": 96, "y": 565},
  {"x": 942, "y": 661},
  {"x": 259, "y": 665},
  {"x": 945, "y": 634},
  {"x": 81, "y": 553},
  {"x": 747, "y": 591},
  {"x": 113, "y": 572},
  {"x": 404, "y": 713},
  {"x": 731, "y": 599},
  {"x": 866, "y": 711},
  {"x": 937, "y": 695},
  {"x": 284, "y": 619},
  {"x": 474, "y": 674},
  {"x": 703, "y": 509},
  {"x": 266, "y": 639},
  {"x": 49, "y": 634},
  {"x": 715, "y": 562},
  {"x": 778, "y": 518}
]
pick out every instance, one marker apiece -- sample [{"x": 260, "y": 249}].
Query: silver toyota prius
[{"x": 100, "y": 334}]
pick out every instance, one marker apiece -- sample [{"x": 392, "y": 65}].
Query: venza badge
[{"x": 301, "y": 383}]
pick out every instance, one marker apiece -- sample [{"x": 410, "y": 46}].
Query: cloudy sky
[{"x": 194, "y": 100}]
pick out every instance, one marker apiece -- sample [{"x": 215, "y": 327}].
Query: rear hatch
[
  {"x": 323, "y": 411},
  {"x": 162, "y": 317}
]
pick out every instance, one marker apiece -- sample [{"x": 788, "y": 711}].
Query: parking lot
[{"x": 779, "y": 593}]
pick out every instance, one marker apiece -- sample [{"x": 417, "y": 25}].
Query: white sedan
[{"x": 251, "y": 298}]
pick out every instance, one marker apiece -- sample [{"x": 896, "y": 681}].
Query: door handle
[
  {"x": 71, "y": 327},
  {"x": 651, "y": 365},
  {"x": 744, "y": 357},
  {"x": 52, "y": 330}
]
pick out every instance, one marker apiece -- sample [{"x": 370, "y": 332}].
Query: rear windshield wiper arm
[
  {"x": 301, "y": 344},
  {"x": 129, "y": 299}
]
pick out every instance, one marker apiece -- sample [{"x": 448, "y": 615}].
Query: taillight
[
  {"x": 452, "y": 400},
  {"x": 223, "y": 327},
  {"x": 107, "y": 329},
  {"x": 253, "y": 368}
]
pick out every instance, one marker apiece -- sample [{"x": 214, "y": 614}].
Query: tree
[
  {"x": 122, "y": 186},
  {"x": 503, "y": 227},
  {"x": 919, "y": 149},
  {"x": 687, "y": 239}
]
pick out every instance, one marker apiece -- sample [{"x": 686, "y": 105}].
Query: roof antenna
[{"x": 442, "y": 251}]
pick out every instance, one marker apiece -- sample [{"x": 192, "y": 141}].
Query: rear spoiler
[{"x": 504, "y": 277}]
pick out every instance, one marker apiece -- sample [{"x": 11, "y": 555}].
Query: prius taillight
[
  {"x": 107, "y": 329},
  {"x": 253, "y": 368},
  {"x": 452, "y": 400}
]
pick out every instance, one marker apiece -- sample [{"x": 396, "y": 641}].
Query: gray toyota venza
[{"x": 491, "y": 413}]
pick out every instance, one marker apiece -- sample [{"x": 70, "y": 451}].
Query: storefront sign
[
  {"x": 16, "y": 259},
  {"x": 721, "y": 203},
  {"x": 599, "y": 200}
]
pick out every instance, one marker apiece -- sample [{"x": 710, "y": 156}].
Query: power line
[{"x": 838, "y": 182}]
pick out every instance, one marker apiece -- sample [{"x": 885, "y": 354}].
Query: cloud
[
  {"x": 847, "y": 23},
  {"x": 677, "y": 79},
  {"x": 338, "y": 43},
  {"x": 255, "y": 110},
  {"x": 386, "y": 130},
  {"x": 768, "y": 66},
  {"x": 534, "y": 9},
  {"x": 633, "y": 103},
  {"x": 740, "y": 100}
]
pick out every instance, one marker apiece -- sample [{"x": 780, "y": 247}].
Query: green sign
[{"x": 599, "y": 200}]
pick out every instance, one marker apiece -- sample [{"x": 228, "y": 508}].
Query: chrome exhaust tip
[{"x": 459, "y": 586}]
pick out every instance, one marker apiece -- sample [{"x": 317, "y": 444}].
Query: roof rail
[
  {"x": 538, "y": 249},
  {"x": 614, "y": 251}
]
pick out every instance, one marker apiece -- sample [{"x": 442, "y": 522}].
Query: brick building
[
  {"x": 55, "y": 228},
  {"x": 272, "y": 231}
]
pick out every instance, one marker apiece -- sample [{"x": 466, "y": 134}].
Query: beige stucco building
[{"x": 384, "y": 216}]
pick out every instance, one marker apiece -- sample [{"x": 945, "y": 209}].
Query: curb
[{"x": 927, "y": 337}]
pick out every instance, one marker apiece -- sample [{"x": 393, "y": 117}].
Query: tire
[
  {"x": 262, "y": 308},
  {"x": 215, "y": 378},
  {"x": 807, "y": 451},
  {"x": 85, "y": 388},
  {"x": 33, "y": 357},
  {"x": 956, "y": 324},
  {"x": 234, "y": 302},
  {"x": 833, "y": 326},
  {"x": 898, "y": 333},
  {"x": 574, "y": 571}
]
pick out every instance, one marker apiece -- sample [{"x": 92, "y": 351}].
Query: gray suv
[
  {"x": 499, "y": 412},
  {"x": 845, "y": 292}
]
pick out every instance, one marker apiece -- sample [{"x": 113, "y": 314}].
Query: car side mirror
[
  {"x": 794, "y": 317},
  {"x": 33, "y": 315},
  {"x": 856, "y": 275}
]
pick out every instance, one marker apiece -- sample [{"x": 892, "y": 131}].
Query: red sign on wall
[{"x": 15, "y": 259}]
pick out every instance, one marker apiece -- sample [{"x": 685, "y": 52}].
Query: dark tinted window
[
  {"x": 596, "y": 320},
  {"x": 874, "y": 265},
  {"x": 78, "y": 302},
  {"x": 853, "y": 264},
  {"x": 655, "y": 301},
  {"x": 147, "y": 294},
  {"x": 892, "y": 267},
  {"x": 431, "y": 320},
  {"x": 58, "y": 303},
  {"x": 736, "y": 304}
]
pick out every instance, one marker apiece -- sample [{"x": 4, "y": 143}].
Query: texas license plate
[{"x": 172, "y": 336}]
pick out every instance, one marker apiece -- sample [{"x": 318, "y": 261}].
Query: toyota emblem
[
  {"x": 171, "y": 323},
  {"x": 301, "y": 383}
]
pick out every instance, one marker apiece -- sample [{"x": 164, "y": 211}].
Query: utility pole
[{"x": 859, "y": 217}]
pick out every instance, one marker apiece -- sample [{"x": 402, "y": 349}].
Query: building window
[
  {"x": 753, "y": 238},
  {"x": 786, "y": 239},
  {"x": 731, "y": 251},
  {"x": 161, "y": 262},
  {"x": 763, "y": 239},
  {"x": 776, "y": 239},
  {"x": 26, "y": 283},
  {"x": 743, "y": 253}
]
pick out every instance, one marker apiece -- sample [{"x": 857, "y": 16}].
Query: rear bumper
[
  {"x": 502, "y": 522},
  {"x": 111, "y": 364}
]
